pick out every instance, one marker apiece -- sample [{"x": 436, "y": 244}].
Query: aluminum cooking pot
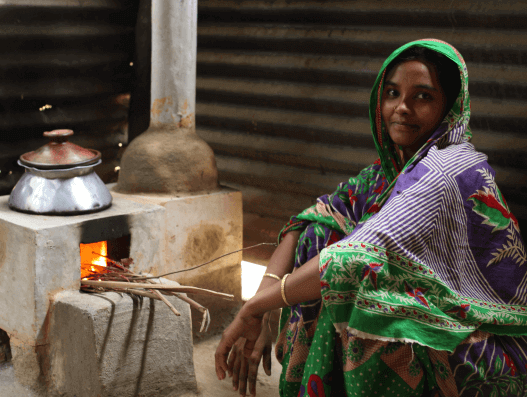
[{"x": 60, "y": 179}]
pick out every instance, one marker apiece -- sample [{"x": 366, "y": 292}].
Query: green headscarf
[{"x": 457, "y": 117}]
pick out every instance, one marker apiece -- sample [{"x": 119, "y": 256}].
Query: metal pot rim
[{"x": 62, "y": 173}]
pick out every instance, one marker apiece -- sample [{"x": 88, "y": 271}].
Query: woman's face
[{"x": 413, "y": 104}]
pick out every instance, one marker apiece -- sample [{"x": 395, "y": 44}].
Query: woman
[{"x": 408, "y": 279}]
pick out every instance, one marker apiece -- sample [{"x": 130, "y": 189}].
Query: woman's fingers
[
  {"x": 219, "y": 358},
  {"x": 252, "y": 373},
  {"x": 228, "y": 339},
  {"x": 236, "y": 362},
  {"x": 255, "y": 359},
  {"x": 262, "y": 348},
  {"x": 247, "y": 326},
  {"x": 221, "y": 355},
  {"x": 231, "y": 361},
  {"x": 236, "y": 371},
  {"x": 242, "y": 388},
  {"x": 267, "y": 358},
  {"x": 236, "y": 352},
  {"x": 249, "y": 347}
]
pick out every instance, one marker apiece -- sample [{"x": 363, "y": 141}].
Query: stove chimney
[{"x": 169, "y": 156}]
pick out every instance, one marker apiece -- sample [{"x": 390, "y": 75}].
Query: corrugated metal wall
[
  {"x": 282, "y": 86},
  {"x": 283, "y": 89},
  {"x": 65, "y": 64}
]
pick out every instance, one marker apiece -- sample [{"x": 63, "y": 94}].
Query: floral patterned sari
[{"x": 423, "y": 286}]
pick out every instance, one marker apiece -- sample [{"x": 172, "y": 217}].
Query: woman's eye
[
  {"x": 424, "y": 95},
  {"x": 391, "y": 92}
]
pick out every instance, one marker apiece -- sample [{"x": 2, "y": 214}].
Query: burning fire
[{"x": 93, "y": 258}]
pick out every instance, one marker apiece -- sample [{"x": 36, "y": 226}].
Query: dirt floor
[
  {"x": 208, "y": 384},
  {"x": 9, "y": 387}
]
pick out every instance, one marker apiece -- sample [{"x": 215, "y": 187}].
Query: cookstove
[
  {"x": 66, "y": 342},
  {"x": 59, "y": 224}
]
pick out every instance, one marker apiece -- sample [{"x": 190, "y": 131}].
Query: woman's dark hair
[{"x": 447, "y": 70}]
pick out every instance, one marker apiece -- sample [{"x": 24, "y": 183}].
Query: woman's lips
[{"x": 404, "y": 126}]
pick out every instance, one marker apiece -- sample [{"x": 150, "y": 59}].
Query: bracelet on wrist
[
  {"x": 272, "y": 276},
  {"x": 282, "y": 289}
]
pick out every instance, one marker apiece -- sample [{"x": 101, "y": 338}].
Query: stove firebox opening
[
  {"x": 95, "y": 256},
  {"x": 5, "y": 347}
]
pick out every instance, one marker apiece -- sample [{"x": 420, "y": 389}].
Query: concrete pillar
[
  {"x": 169, "y": 157},
  {"x": 170, "y": 166}
]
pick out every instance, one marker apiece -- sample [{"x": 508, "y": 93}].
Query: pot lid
[{"x": 59, "y": 153}]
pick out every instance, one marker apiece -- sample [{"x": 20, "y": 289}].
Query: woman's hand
[
  {"x": 244, "y": 325},
  {"x": 242, "y": 369},
  {"x": 280, "y": 263},
  {"x": 303, "y": 285}
]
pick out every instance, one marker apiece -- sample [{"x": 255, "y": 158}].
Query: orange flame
[{"x": 91, "y": 259}]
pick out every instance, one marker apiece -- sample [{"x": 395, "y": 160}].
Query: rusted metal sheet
[
  {"x": 64, "y": 64},
  {"x": 283, "y": 88}
]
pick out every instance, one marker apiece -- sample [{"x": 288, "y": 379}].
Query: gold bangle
[
  {"x": 272, "y": 276},
  {"x": 282, "y": 288}
]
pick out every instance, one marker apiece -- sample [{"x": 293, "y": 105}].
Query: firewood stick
[
  {"x": 205, "y": 321},
  {"x": 161, "y": 287},
  {"x": 153, "y": 295},
  {"x": 157, "y": 294},
  {"x": 184, "y": 298},
  {"x": 141, "y": 292},
  {"x": 166, "y": 301},
  {"x": 191, "y": 302}
]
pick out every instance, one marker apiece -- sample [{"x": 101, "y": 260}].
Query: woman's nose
[{"x": 402, "y": 107}]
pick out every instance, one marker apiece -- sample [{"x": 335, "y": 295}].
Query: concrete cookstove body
[{"x": 68, "y": 343}]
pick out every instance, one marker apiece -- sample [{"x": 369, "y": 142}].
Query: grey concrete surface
[
  {"x": 199, "y": 228},
  {"x": 116, "y": 345}
]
